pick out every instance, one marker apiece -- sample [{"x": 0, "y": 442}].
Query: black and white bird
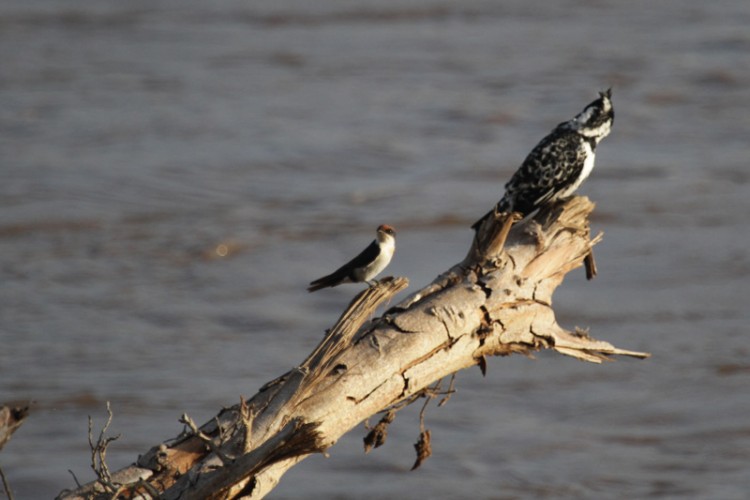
[
  {"x": 560, "y": 163},
  {"x": 365, "y": 266}
]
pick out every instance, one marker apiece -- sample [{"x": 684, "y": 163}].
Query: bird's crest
[{"x": 595, "y": 121}]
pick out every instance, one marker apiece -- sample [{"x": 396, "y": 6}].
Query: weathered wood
[{"x": 496, "y": 302}]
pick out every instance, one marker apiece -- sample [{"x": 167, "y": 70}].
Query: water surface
[{"x": 137, "y": 138}]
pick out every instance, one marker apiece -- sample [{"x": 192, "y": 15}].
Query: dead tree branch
[
  {"x": 11, "y": 419},
  {"x": 496, "y": 302},
  {"x": 99, "y": 453},
  {"x": 6, "y": 486}
]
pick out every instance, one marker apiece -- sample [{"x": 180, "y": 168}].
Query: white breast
[
  {"x": 588, "y": 166},
  {"x": 387, "y": 247}
]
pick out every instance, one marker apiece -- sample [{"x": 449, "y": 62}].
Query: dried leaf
[
  {"x": 423, "y": 447},
  {"x": 377, "y": 436}
]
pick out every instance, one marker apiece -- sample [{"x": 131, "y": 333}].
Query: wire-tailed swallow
[{"x": 366, "y": 265}]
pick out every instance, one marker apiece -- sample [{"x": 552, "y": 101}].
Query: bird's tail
[
  {"x": 317, "y": 285},
  {"x": 478, "y": 223},
  {"x": 330, "y": 280},
  {"x": 502, "y": 206}
]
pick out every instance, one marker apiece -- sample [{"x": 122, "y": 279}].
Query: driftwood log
[{"x": 496, "y": 302}]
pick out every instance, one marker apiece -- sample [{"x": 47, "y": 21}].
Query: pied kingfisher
[{"x": 560, "y": 163}]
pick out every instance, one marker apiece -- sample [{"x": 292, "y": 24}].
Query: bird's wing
[
  {"x": 364, "y": 258},
  {"x": 339, "y": 275},
  {"x": 552, "y": 165}
]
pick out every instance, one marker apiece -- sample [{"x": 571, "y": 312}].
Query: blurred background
[{"x": 173, "y": 174}]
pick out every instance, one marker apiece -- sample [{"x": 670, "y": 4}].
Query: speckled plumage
[{"x": 559, "y": 164}]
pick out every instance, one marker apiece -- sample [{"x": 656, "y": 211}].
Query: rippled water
[{"x": 137, "y": 138}]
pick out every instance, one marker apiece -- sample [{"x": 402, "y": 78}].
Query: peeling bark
[{"x": 496, "y": 302}]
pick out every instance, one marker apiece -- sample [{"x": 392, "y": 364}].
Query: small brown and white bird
[{"x": 365, "y": 266}]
